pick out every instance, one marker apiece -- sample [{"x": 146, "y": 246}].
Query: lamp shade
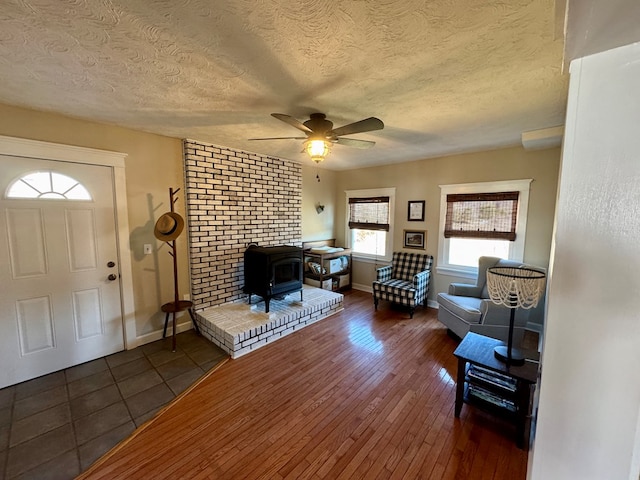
[{"x": 515, "y": 287}]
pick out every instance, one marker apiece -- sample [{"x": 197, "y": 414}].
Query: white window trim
[
  {"x": 516, "y": 248},
  {"x": 372, "y": 192}
]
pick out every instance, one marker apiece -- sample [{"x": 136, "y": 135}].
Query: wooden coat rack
[{"x": 177, "y": 305}]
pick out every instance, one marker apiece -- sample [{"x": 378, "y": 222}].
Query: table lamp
[{"x": 514, "y": 287}]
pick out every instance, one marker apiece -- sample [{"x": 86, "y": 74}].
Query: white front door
[{"x": 60, "y": 302}]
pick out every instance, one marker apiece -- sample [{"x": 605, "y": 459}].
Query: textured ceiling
[{"x": 445, "y": 76}]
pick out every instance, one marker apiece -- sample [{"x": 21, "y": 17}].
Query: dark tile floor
[{"x": 57, "y": 425}]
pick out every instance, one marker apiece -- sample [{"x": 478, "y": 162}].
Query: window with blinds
[
  {"x": 371, "y": 213},
  {"x": 482, "y": 215}
]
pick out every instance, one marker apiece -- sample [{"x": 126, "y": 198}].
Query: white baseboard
[
  {"x": 157, "y": 335},
  {"x": 535, "y": 327},
  {"x": 364, "y": 288}
]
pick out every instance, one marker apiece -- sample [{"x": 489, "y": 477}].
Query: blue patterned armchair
[{"x": 405, "y": 281}]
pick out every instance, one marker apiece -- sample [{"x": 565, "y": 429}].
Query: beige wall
[
  {"x": 318, "y": 226},
  {"x": 420, "y": 180},
  {"x": 154, "y": 164}
]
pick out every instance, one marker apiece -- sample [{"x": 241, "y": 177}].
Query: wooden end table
[{"x": 508, "y": 387}]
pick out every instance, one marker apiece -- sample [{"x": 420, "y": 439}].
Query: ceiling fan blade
[
  {"x": 292, "y": 121},
  {"x": 279, "y": 138},
  {"x": 353, "y": 142},
  {"x": 366, "y": 125}
]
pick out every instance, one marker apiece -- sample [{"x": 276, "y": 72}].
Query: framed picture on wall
[
  {"x": 416, "y": 211},
  {"x": 415, "y": 239}
]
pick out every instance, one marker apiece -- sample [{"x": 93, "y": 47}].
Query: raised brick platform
[{"x": 239, "y": 328}]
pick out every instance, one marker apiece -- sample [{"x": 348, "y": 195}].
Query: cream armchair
[{"x": 468, "y": 307}]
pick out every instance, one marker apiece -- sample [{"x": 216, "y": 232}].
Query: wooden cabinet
[{"x": 326, "y": 268}]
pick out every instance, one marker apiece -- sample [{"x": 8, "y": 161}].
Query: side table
[
  {"x": 172, "y": 308},
  {"x": 501, "y": 389}
]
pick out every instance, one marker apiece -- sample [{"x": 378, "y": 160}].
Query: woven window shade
[
  {"x": 482, "y": 215},
  {"x": 370, "y": 213}
]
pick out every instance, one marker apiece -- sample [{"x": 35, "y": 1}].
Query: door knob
[
  {"x": 111, "y": 264},
  {"x": 112, "y": 277}
]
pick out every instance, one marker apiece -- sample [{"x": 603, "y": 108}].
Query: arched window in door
[{"x": 49, "y": 185}]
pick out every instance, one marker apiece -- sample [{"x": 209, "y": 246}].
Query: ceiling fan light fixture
[
  {"x": 320, "y": 134},
  {"x": 317, "y": 149}
]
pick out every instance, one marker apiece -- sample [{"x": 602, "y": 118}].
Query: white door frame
[{"x": 20, "y": 147}]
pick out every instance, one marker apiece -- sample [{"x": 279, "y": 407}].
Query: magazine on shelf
[
  {"x": 490, "y": 397},
  {"x": 491, "y": 377}
]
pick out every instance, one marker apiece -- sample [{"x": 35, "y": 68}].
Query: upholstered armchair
[
  {"x": 405, "y": 281},
  {"x": 468, "y": 308}
]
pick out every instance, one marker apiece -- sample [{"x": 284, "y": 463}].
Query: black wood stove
[{"x": 272, "y": 272}]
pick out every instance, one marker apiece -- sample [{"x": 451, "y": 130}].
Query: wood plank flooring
[{"x": 361, "y": 394}]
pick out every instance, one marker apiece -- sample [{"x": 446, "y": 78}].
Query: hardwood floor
[{"x": 361, "y": 394}]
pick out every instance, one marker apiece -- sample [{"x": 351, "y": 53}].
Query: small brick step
[{"x": 239, "y": 328}]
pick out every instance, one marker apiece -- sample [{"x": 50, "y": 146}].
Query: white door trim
[{"x": 21, "y": 147}]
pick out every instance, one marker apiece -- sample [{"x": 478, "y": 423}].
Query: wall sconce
[
  {"x": 319, "y": 208},
  {"x": 317, "y": 149}
]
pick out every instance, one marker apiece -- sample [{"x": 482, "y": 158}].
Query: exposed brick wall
[{"x": 234, "y": 198}]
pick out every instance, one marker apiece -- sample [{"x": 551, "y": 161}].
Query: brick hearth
[{"x": 239, "y": 328}]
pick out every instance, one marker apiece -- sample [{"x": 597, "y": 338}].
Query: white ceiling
[{"x": 444, "y": 76}]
